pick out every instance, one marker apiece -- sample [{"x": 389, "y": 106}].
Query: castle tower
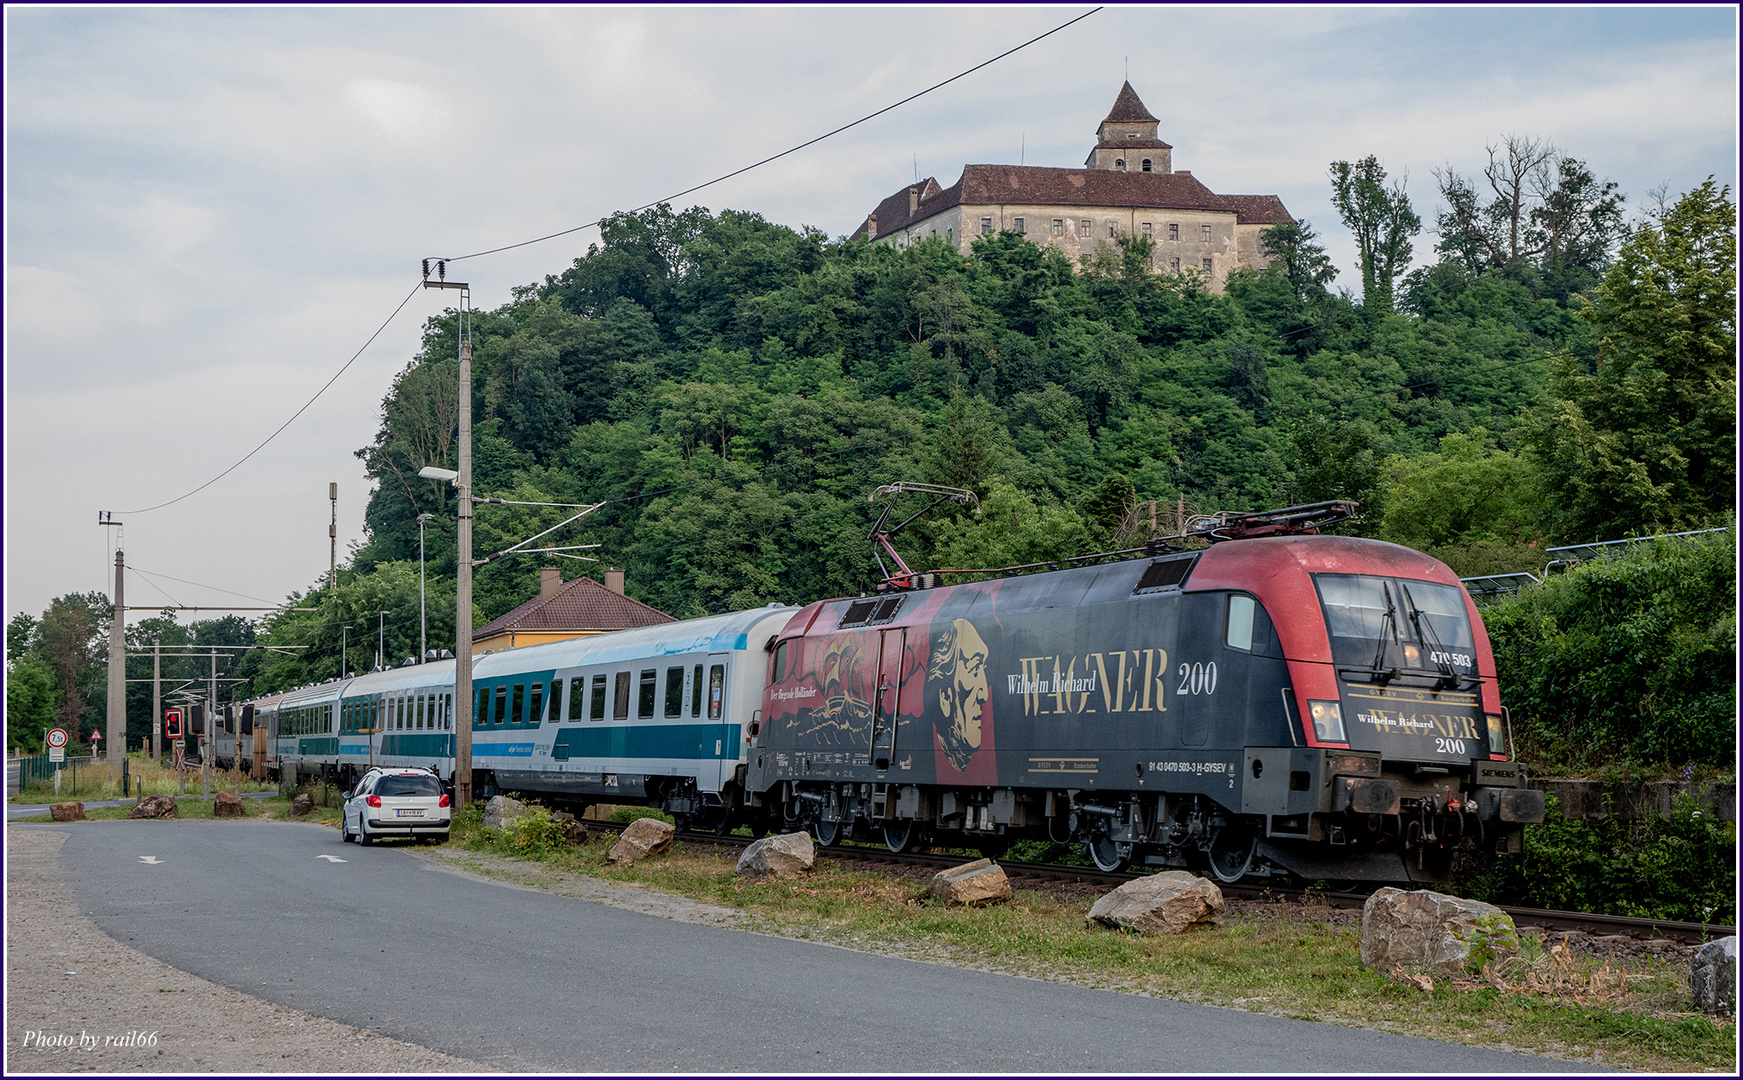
[{"x": 1126, "y": 140}]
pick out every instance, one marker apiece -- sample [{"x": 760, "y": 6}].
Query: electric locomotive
[{"x": 1272, "y": 701}]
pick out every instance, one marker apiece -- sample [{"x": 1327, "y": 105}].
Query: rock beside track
[
  {"x": 645, "y": 838},
  {"x": 979, "y": 882},
  {"x": 1433, "y": 933},
  {"x": 501, "y": 810},
  {"x": 1713, "y": 977},
  {"x": 67, "y": 811},
  {"x": 155, "y": 806},
  {"x": 227, "y": 804},
  {"x": 573, "y": 831},
  {"x": 302, "y": 804},
  {"x": 785, "y": 856},
  {"x": 1167, "y": 903}
]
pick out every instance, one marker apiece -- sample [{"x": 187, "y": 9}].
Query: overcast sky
[{"x": 208, "y": 211}]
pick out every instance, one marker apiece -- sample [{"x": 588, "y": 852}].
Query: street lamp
[
  {"x": 343, "y": 635},
  {"x": 423, "y": 629},
  {"x": 381, "y": 639}
]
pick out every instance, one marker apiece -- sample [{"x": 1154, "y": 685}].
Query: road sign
[
  {"x": 57, "y": 738},
  {"x": 57, "y": 753}
]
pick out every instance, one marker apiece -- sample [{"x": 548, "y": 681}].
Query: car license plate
[{"x": 409, "y": 813}]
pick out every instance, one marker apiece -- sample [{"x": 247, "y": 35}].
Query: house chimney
[
  {"x": 913, "y": 202},
  {"x": 550, "y": 582},
  {"x": 614, "y": 581},
  {"x": 871, "y": 227}
]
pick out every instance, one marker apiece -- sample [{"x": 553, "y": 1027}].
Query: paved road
[{"x": 524, "y": 980}]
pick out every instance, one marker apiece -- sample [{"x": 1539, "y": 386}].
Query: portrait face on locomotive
[{"x": 958, "y": 676}]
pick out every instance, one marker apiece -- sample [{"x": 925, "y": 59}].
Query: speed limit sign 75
[{"x": 57, "y": 738}]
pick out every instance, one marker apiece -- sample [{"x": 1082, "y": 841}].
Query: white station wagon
[{"x": 396, "y": 802}]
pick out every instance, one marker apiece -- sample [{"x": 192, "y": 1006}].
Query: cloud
[{"x": 48, "y": 307}]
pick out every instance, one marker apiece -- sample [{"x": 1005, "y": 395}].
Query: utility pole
[
  {"x": 463, "y": 548},
  {"x": 117, "y": 734},
  {"x": 156, "y": 696},
  {"x": 333, "y": 537}
]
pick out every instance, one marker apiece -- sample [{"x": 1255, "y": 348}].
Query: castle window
[
  {"x": 1019, "y": 224},
  {"x": 1120, "y": 164},
  {"x": 1113, "y": 229},
  {"x": 1131, "y": 134},
  {"x": 1204, "y": 233},
  {"x": 986, "y": 226},
  {"x": 1146, "y": 230},
  {"x": 1207, "y": 266},
  {"x": 1058, "y": 226},
  {"x": 1174, "y": 265},
  {"x": 1173, "y": 230},
  {"x": 1085, "y": 229},
  {"x": 1146, "y": 164}
]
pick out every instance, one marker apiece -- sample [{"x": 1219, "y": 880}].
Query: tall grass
[{"x": 103, "y": 781}]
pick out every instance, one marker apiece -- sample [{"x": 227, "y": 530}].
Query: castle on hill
[{"x": 1127, "y": 186}]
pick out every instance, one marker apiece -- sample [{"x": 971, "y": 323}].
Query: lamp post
[
  {"x": 423, "y": 627},
  {"x": 381, "y": 639},
  {"x": 344, "y": 632}
]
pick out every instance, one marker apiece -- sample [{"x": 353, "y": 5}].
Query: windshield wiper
[
  {"x": 1390, "y": 623},
  {"x": 1449, "y": 678}
]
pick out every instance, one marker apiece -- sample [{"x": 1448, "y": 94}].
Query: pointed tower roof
[{"x": 1128, "y": 109}]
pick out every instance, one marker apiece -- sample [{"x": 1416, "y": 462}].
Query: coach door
[
  {"x": 889, "y": 691},
  {"x": 719, "y": 735}
]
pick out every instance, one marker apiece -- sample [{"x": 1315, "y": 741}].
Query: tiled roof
[
  {"x": 1147, "y": 144},
  {"x": 1259, "y": 210},
  {"x": 1127, "y": 108},
  {"x": 983, "y": 185},
  {"x": 582, "y": 604}
]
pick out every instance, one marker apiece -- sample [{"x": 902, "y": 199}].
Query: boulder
[
  {"x": 156, "y": 806},
  {"x": 227, "y": 804},
  {"x": 1433, "y": 933},
  {"x": 302, "y": 804},
  {"x": 1171, "y": 902},
  {"x": 784, "y": 856},
  {"x": 501, "y": 810},
  {"x": 979, "y": 882},
  {"x": 645, "y": 838},
  {"x": 573, "y": 831},
  {"x": 1713, "y": 977},
  {"x": 67, "y": 811}
]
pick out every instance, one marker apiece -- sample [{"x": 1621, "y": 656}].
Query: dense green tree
[
  {"x": 1645, "y": 442},
  {"x": 30, "y": 702},
  {"x": 1297, "y": 253},
  {"x": 1382, "y": 222}
]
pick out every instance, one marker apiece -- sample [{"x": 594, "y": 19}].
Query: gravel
[{"x": 67, "y": 981}]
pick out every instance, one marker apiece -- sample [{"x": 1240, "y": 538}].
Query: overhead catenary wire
[{"x": 578, "y": 228}]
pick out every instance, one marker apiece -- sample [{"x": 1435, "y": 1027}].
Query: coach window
[
  {"x": 716, "y": 690},
  {"x": 674, "y": 691},
  {"x": 536, "y": 704},
  {"x": 501, "y": 713},
  {"x": 620, "y": 699},
  {"x": 555, "y": 705},
  {"x": 447, "y": 711},
  {"x": 1239, "y": 633},
  {"x": 596, "y": 710},
  {"x": 481, "y": 707},
  {"x": 645, "y": 699},
  {"x": 696, "y": 692},
  {"x": 578, "y": 697}
]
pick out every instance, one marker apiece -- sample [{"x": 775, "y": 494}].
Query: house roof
[
  {"x": 1037, "y": 185},
  {"x": 582, "y": 604},
  {"x": 1128, "y": 109},
  {"x": 1141, "y": 144}
]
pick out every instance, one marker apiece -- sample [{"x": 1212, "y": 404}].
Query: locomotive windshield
[{"x": 1391, "y": 626}]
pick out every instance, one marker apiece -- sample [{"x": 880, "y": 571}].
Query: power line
[
  {"x": 784, "y": 153},
  {"x": 197, "y": 585},
  {"x": 299, "y": 412}
]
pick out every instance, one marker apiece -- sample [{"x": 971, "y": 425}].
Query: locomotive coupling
[
  {"x": 1365, "y": 796},
  {"x": 1521, "y": 806}
]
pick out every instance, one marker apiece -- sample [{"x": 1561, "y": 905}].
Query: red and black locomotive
[{"x": 1274, "y": 700}]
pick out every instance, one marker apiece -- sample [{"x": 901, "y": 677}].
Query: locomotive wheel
[
  {"x": 994, "y": 848},
  {"x": 759, "y": 826},
  {"x": 724, "y": 825},
  {"x": 681, "y": 822},
  {"x": 901, "y": 836},
  {"x": 1231, "y": 853},
  {"x": 828, "y": 833},
  {"x": 1105, "y": 854}
]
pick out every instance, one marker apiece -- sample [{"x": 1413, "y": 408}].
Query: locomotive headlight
[
  {"x": 1412, "y": 657},
  {"x": 1328, "y": 721},
  {"x": 1497, "y": 743}
]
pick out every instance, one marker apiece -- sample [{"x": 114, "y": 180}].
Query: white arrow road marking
[
  {"x": 330, "y": 858},
  {"x": 152, "y": 859}
]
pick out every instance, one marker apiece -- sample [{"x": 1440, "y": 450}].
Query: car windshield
[
  {"x": 1378, "y": 622},
  {"x": 414, "y": 784}
]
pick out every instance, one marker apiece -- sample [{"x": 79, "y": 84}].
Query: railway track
[{"x": 1596, "y": 925}]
